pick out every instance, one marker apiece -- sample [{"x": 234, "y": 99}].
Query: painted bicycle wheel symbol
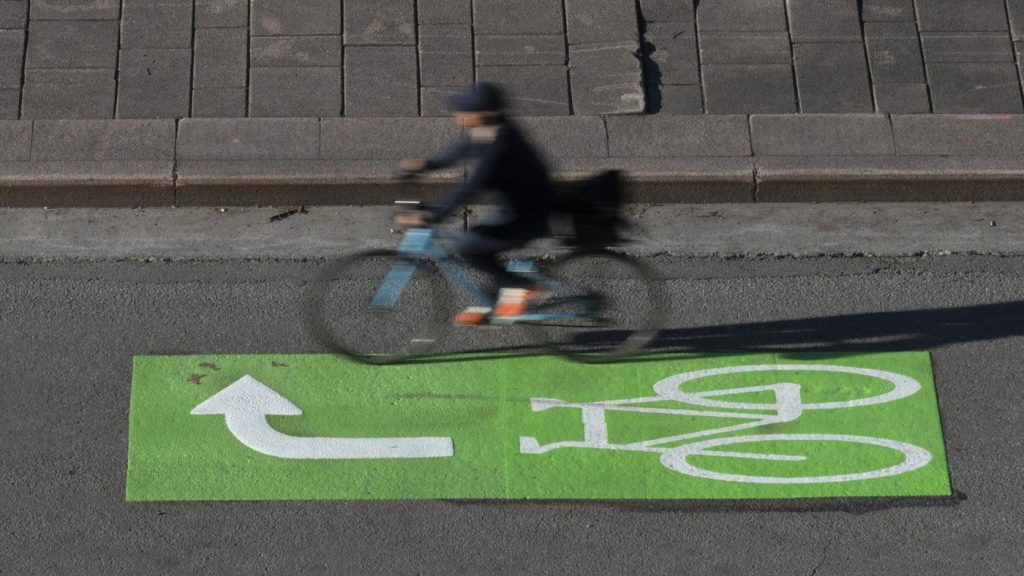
[{"x": 787, "y": 407}]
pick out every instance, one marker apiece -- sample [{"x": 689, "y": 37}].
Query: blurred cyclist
[{"x": 507, "y": 164}]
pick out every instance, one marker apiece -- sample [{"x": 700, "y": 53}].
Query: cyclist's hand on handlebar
[{"x": 413, "y": 220}]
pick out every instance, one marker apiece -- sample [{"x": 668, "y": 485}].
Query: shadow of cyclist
[{"x": 866, "y": 332}]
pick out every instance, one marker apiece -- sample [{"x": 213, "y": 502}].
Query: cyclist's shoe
[
  {"x": 514, "y": 302},
  {"x": 473, "y": 316}
]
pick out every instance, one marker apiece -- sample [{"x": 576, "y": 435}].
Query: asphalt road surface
[{"x": 69, "y": 328}]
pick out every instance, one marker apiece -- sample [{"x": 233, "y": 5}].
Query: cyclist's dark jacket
[{"x": 507, "y": 165}]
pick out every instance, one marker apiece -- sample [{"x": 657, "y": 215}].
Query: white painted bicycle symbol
[{"x": 786, "y": 408}]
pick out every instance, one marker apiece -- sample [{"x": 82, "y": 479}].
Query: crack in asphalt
[{"x": 824, "y": 552}]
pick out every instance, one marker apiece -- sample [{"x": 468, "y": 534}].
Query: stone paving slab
[
  {"x": 272, "y": 91},
  {"x": 16, "y": 138},
  {"x": 76, "y": 9},
  {"x": 154, "y": 83},
  {"x": 248, "y": 139},
  {"x": 446, "y": 53},
  {"x": 12, "y": 51},
  {"x": 445, "y": 11},
  {"x": 308, "y": 17},
  {"x": 601, "y": 22},
  {"x": 404, "y": 58},
  {"x": 103, "y": 140},
  {"x": 954, "y": 15},
  {"x": 156, "y": 23},
  {"x": 671, "y": 52},
  {"x": 832, "y": 77},
  {"x": 219, "y": 59},
  {"x": 374, "y": 23},
  {"x": 675, "y": 99},
  {"x": 576, "y": 137},
  {"x": 678, "y": 136},
  {"x": 516, "y": 50},
  {"x": 534, "y": 90},
  {"x": 518, "y": 16},
  {"x": 227, "y": 102},
  {"x": 222, "y": 13},
  {"x": 821, "y": 135},
  {"x": 380, "y": 81},
  {"x": 384, "y": 138},
  {"x": 294, "y": 51},
  {"x": 824, "y": 20},
  {"x": 902, "y": 98},
  {"x": 957, "y": 135},
  {"x": 745, "y": 48},
  {"x": 13, "y": 14},
  {"x": 667, "y": 11},
  {"x": 72, "y": 44},
  {"x": 68, "y": 93},
  {"x": 975, "y": 88},
  {"x": 1015, "y": 11},
  {"x": 888, "y": 10},
  {"x": 742, "y": 15},
  {"x": 894, "y": 53},
  {"x": 957, "y": 47},
  {"x": 606, "y": 79},
  {"x": 726, "y": 89}
]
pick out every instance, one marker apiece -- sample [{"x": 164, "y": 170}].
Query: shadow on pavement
[
  {"x": 869, "y": 332},
  {"x": 848, "y": 505}
]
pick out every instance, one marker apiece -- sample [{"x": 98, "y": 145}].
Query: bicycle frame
[
  {"x": 430, "y": 243},
  {"x": 787, "y": 408}
]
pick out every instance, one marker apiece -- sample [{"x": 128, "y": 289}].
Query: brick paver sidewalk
[
  {"x": 379, "y": 58},
  {"x": 217, "y": 102}
]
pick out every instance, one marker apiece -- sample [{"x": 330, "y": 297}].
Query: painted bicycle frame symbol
[{"x": 787, "y": 407}]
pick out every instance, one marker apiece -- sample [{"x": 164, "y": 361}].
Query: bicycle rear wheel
[
  {"x": 379, "y": 307},
  {"x": 608, "y": 306}
]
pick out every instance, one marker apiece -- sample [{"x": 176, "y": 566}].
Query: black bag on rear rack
[{"x": 593, "y": 208}]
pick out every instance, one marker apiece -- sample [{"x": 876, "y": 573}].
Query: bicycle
[
  {"x": 387, "y": 306},
  {"x": 677, "y": 451}
]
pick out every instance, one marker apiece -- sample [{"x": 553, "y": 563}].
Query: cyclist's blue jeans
[{"x": 481, "y": 252}]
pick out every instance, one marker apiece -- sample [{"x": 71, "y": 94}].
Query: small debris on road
[{"x": 290, "y": 212}]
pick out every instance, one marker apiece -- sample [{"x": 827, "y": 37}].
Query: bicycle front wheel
[
  {"x": 379, "y": 307},
  {"x": 605, "y": 306},
  {"x": 677, "y": 459}
]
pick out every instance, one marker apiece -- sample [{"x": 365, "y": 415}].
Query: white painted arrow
[{"x": 247, "y": 403}]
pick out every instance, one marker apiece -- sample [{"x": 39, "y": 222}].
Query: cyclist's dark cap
[{"x": 484, "y": 97}]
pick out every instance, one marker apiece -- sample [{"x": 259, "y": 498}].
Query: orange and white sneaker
[
  {"x": 473, "y": 316},
  {"x": 513, "y": 303}
]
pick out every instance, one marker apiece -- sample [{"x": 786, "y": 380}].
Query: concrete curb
[{"x": 667, "y": 159}]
